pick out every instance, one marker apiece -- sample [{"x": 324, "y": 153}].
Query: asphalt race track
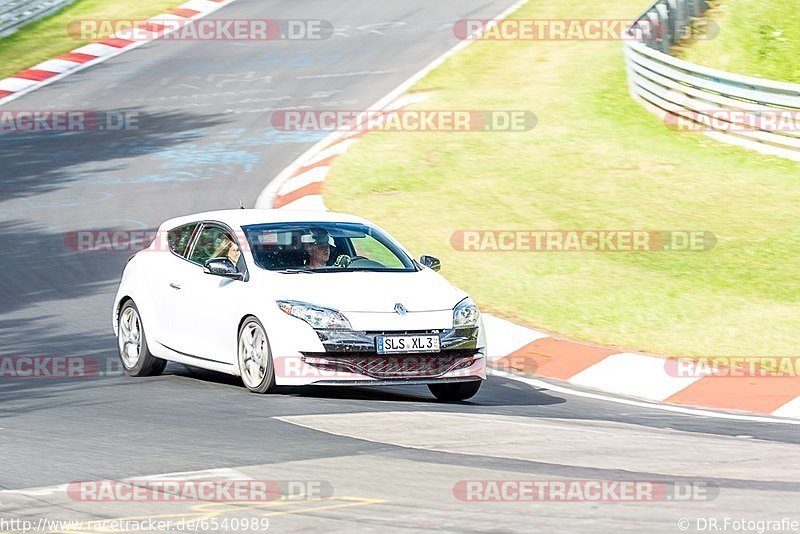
[{"x": 392, "y": 456}]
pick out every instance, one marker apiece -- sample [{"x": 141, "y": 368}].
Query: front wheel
[
  {"x": 457, "y": 391},
  {"x": 132, "y": 344},
  {"x": 255, "y": 357}
]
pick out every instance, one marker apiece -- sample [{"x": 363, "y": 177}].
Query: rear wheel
[
  {"x": 255, "y": 357},
  {"x": 457, "y": 391},
  {"x": 132, "y": 344}
]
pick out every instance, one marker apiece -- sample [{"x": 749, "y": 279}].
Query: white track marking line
[{"x": 641, "y": 404}]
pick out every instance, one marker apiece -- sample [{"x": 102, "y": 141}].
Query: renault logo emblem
[{"x": 400, "y": 309}]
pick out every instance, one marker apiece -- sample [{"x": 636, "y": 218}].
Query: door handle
[{"x": 174, "y": 285}]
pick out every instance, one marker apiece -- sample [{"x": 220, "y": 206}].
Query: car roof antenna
[{"x": 239, "y": 192}]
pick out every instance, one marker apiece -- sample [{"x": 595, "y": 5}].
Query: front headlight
[
  {"x": 316, "y": 316},
  {"x": 466, "y": 314}
]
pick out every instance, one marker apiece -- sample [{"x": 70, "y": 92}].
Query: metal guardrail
[
  {"x": 15, "y": 13},
  {"x": 755, "y": 113}
]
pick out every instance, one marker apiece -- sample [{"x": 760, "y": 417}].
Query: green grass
[
  {"x": 44, "y": 39},
  {"x": 596, "y": 160},
  {"x": 757, "y": 37}
]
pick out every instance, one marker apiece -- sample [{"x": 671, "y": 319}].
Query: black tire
[
  {"x": 456, "y": 391},
  {"x": 265, "y": 384},
  {"x": 146, "y": 364}
]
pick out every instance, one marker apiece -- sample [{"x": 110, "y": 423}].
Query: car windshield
[{"x": 324, "y": 247}]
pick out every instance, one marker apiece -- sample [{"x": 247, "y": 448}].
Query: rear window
[{"x": 179, "y": 238}]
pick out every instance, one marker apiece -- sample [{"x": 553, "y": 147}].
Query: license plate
[{"x": 399, "y": 344}]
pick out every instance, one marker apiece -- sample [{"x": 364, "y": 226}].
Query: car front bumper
[{"x": 350, "y": 358}]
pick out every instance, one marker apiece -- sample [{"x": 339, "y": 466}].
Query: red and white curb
[
  {"x": 518, "y": 348},
  {"x": 299, "y": 187},
  {"x": 91, "y": 54}
]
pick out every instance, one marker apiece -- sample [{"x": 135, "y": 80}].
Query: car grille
[{"x": 384, "y": 366}]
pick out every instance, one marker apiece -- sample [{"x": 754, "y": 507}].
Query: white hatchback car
[{"x": 295, "y": 298}]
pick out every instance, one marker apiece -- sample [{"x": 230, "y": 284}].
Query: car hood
[{"x": 370, "y": 291}]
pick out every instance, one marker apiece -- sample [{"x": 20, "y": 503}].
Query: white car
[{"x": 296, "y": 298}]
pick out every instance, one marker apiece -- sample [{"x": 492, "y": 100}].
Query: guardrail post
[
  {"x": 664, "y": 37},
  {"x": 672, "y": 9},
  {"x": 683, "y": 18},
  {"x": 654, "y": 30}
]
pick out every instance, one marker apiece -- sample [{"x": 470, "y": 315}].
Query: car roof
[{"x": 245, "y": 217}]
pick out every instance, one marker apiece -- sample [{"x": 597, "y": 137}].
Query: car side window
[
  {"x": 179, "y": 238},
  {"x": 214, "y": 242},
  {"x": 369, "y": 247}
]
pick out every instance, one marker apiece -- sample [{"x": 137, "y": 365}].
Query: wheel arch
[
  {"x": 244, "y": 318},
  {"x": 241, "y": 324},
  {"x": 121, "y": 304}
]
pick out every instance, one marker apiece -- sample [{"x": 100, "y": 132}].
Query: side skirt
[{"x": 162, "y": 351}]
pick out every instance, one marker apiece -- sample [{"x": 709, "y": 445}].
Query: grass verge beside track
[
  {"x": 596, "y": 160},
  {"x": 757, "y": 37},
  {"x": 44, "y": 39}
]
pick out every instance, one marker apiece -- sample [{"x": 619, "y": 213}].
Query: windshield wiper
[{"x": 295, "y": 271}]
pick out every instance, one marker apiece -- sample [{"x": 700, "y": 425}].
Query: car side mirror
[
  {"x": 222, "y": 267},
  {"x": 431, "y": 262}
]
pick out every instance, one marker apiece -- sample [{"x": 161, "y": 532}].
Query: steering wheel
[{"x": 344, "y": 261}]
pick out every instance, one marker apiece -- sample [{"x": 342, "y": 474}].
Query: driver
[{"x": 317, "y": 244}]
